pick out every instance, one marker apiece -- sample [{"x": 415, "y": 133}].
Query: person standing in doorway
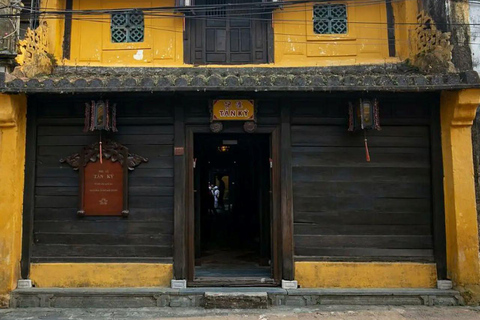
[
  {"x": 210, "y": 200},
  {"x": 221, "y": 189},
  {"x": 216, "y": 196}
]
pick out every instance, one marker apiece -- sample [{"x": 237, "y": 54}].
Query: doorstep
[{"x": 220, "y": 297}]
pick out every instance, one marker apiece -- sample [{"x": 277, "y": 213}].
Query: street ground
[{"x": 322, "y": 313}]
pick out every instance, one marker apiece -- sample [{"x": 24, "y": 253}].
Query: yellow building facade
[
  {"x": 294, "y": 40},
  {"x": 294, "y": 44}
]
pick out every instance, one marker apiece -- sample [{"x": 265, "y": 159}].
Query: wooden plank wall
[
  {"x": 348, "y": 209},
  {"x": 146, "y": 128}
]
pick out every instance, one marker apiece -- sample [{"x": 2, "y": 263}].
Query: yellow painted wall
[
  {"x": 295, "y": 43},
  {"x": 91, "y": 40},
  {"x": 458, "y": 109},
  {"x": 102, "y": 275},
  {"x": 405, "y": 13},
  {"x": 365, "y": 275},
  {"x": 12, "y": 161}
]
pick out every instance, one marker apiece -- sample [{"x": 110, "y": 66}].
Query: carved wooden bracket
[{"x": 111, "y": 150}]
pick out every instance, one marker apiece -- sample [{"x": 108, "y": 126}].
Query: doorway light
[{"x": 224, "y": 148}]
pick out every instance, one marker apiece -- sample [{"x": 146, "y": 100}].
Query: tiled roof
[{"x": 390, "y": 77}]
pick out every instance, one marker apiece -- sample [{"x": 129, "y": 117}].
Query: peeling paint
[{"x": 139, "y": 55}]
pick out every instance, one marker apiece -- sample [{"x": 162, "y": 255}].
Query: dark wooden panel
[
  {"x": 103, "y": 259},
  {"x": 136, "y": 214},
  {"x": 362, "y": 174},
  {"x": 359, "y": 229},
  {"x": 146, "y": 128},
  {"x": 29, "y": 189},
  {"x": 379, "y": 242},
  {"x": 363, "y": 189},
  {"x": 365, "y": 217},
  {"x": 352, "y": 209},
  {"x": 286, "y": 194},
  {"x": 103, "y": 239},
  {"x": 370, "y": 203},
  {"x": 336, "y": 136},
  {"x": 105, "y": 226},
  {"x": 366, "y": 252},
  {"x": 96, "y": 250},
  {"x": 180, "y": 267}
]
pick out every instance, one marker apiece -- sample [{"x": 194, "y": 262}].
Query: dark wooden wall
[
  {"x": 146, "y": 128},
  {"x": 344, "y": 208},
  {"x": 348, "y": 209}
]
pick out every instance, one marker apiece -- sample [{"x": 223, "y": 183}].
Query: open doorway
[{"x": 232, "y": 207}]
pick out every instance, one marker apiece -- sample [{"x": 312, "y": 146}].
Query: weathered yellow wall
[
  {"x": 103, "y": 275},
  {"x": 458, "y": 109},
  {"x": 91, "y": 43},
  {"x": 405, "y": 13},
  {"x": 55, "y": 27},
  {"x": 365, "y": 275},
  {"x": 12, "y": 160},
  {"x": 295, "y": 43}
]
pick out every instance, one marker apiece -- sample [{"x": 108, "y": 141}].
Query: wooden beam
[
  {"x": 179, "y": 247},
  {"x": 438, "y": 204},
  {"x": 286, "y": 194},
  {"x": 67, "y": 34},
  {"x": 391, "y": 29},
  {"x": 29, "y": 189}
]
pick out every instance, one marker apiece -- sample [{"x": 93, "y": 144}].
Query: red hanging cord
[
  {"x": 366, "y": 146},
  {"x": 100, "y": 147}
]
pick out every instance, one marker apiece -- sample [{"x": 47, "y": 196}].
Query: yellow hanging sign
[{"x": 233, "y": 110}]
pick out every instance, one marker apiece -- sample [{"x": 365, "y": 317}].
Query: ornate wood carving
[
  {"x": 104, "y": 184},
  {"x": 111, "y": 150}
]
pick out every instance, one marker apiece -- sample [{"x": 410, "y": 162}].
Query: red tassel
[
  {"x": 367, "y": 153},
  {"x": 101, "y": 153}
]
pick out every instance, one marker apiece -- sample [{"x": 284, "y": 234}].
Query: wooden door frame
[{"x": 276, "y": 235}]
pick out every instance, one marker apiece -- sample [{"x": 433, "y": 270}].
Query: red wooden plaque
[
  {"x": 103, "y": 188},
  {"x": 104, "y": 184}
]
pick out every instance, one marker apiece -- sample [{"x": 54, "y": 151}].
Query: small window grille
[
  {"x": 330, "y": 19},
  {"x": 127, "y": 27}
]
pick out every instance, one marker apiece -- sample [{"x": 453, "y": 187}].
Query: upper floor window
[
  {"x": 330, "y": 19},
  {"x": 127, "y": 27},
  {"x": 227, "y": 32}
]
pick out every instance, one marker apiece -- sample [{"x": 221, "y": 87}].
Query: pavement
[{"x": 276, "y": 313}]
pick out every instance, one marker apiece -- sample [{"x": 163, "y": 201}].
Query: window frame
[
  {"x": 351, "y": 29},
  {"x": 147, "y": 43},
  {"x": 328, "y": 18},
  {"x": 127, "y": 26}
]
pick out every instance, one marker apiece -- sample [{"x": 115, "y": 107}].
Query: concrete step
[
  {"x": 235, "y": 300},
  {"x": 226, "y": 297}
]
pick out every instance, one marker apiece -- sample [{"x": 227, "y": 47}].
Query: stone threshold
[{"x": 247, "y": 297}]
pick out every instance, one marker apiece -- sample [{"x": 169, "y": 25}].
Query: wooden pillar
[
  {"x": 286, "y": 194},
  {"x": 458, "y": 109},
  {"x": 13, "y": 110},
  {"x": 179, "y": 247}
]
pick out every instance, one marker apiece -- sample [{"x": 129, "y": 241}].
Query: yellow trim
[
  {"x": 102, "y": 275},
  {"x": 13, "y": 109},
  {"x": 365, "y": 275},
  {"x": 458, "y": 109}
]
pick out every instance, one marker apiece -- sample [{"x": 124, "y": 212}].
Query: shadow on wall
[{"x": 476, "y": 159}]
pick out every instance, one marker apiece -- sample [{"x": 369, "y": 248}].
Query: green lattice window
[
  {"x": 127, "y": 27},
  {"x": 330, "y": 19}
]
